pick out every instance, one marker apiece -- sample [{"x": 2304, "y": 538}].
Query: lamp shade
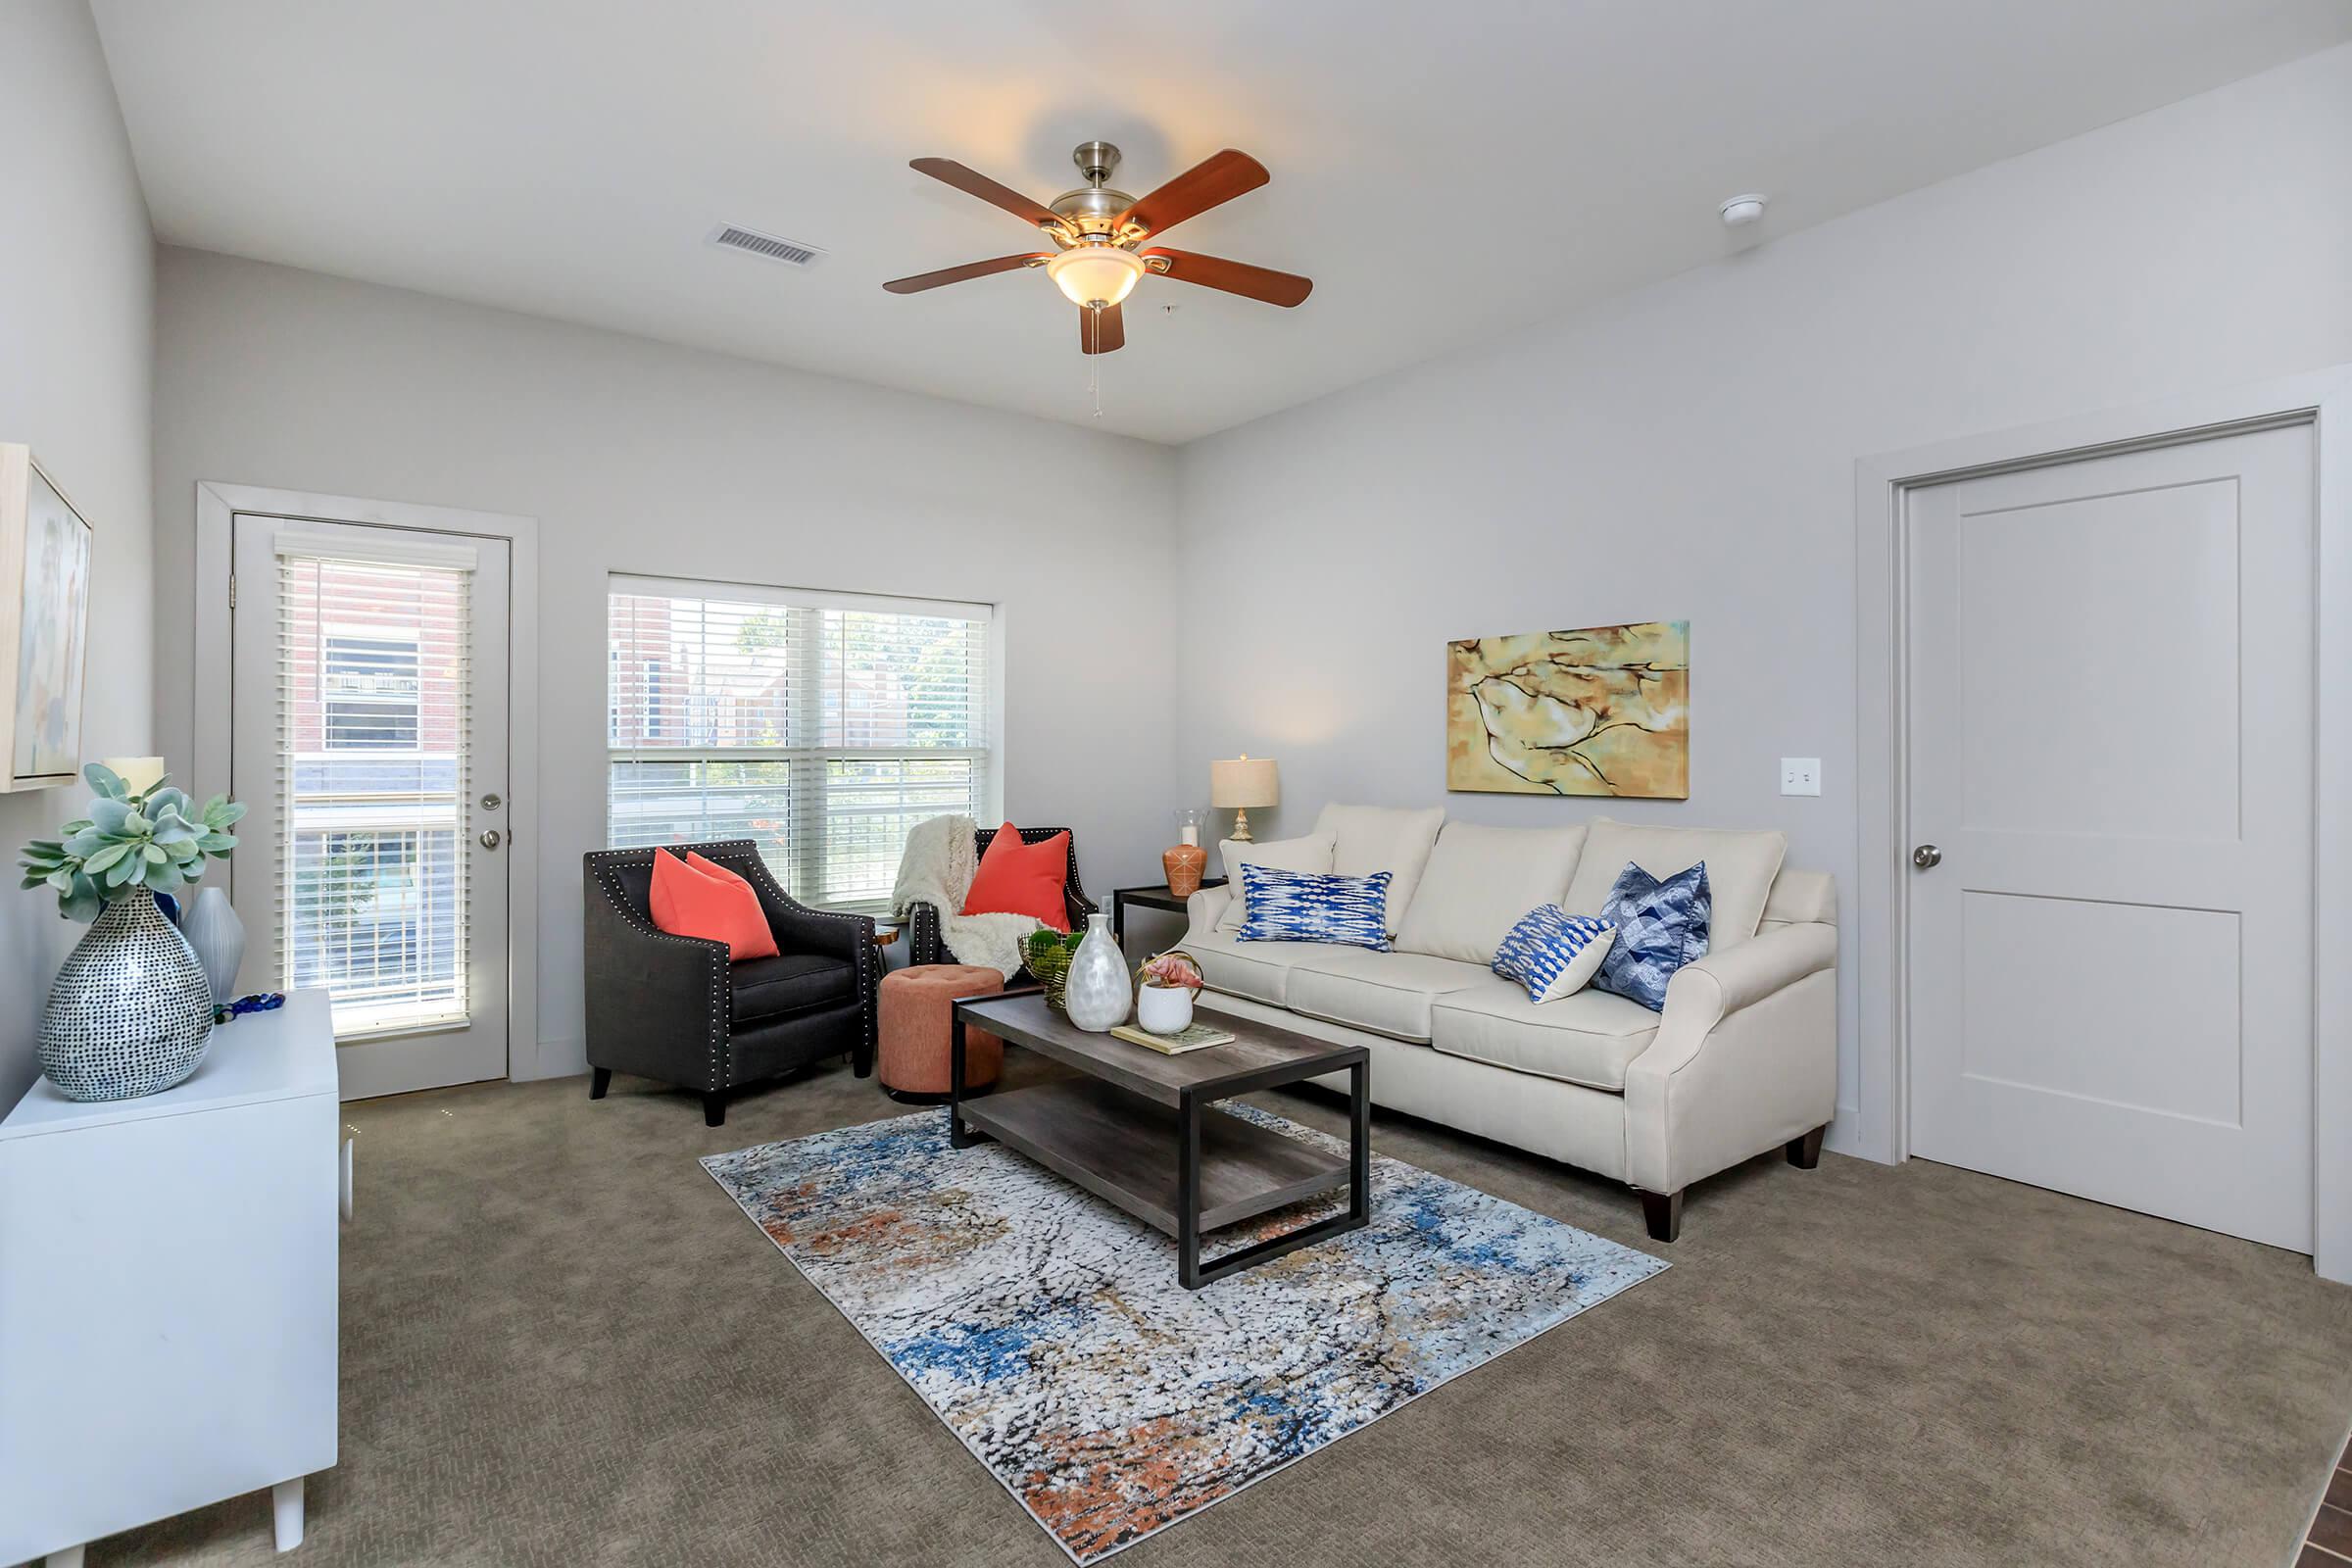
[
  {"x": 1243, "y": 782},
  {"x": 138, "y": 775}
]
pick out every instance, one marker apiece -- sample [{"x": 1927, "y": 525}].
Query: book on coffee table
[{"x": 1192, "y": 1037}]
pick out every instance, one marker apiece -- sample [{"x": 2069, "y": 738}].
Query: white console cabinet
[{"x": 168, "y": 1290}]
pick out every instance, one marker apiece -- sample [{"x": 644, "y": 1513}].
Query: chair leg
[
  {"x": 861, "y": 1060},
  {"x": 598, "y": 1081},
  {"x": 1662, "y": 1213},
  {"x": 714, "y": 1109},
  {"x": 1805, "y": 1152}
]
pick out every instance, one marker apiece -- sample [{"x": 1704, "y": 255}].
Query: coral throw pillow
[
  {"x": 700, "y": 897},
  {"x": 1016, "y": 878}
]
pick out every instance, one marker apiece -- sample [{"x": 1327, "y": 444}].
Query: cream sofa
[{"x": 1744, "y": 1058}]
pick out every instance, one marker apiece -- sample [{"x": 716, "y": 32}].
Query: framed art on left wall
[{"x": 45, "y": 550}]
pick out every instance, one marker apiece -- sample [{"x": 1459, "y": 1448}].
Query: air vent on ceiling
[{"x": 791, "y": 252}]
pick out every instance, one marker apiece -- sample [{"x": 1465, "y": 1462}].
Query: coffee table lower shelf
[{"x": 1123, "y": 1149}]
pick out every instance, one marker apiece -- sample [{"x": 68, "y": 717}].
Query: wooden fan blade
[
  {"x": 956, "y": 275},
  {"x": 974, "y": 184},
  {"x": 1235, "y": 277},
  {"x": 1208, "y": 184},
  {"x": 1100, "y": 332}
]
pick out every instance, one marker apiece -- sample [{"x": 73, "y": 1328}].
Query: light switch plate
[{"x": 1801, "y": 775}]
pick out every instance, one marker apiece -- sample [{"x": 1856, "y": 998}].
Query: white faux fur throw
[{"x": 937, "y": 869}]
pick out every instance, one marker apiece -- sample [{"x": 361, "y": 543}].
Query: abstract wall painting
[
  {"x": 45, "y": 550},
  {"x": 1600, "y": 710}
]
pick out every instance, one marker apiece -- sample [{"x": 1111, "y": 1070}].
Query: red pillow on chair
[
  {"x": 700, "y": 897},
  {"x": 1016, "y": 878}
]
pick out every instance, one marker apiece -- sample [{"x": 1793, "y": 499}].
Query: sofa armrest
[
  {"x": 656, "y": 1003},
  {"x": 1746, "y": 1058},
  {"x": 1205, "y": 907},
  {"x": 1723, "y": 983}
]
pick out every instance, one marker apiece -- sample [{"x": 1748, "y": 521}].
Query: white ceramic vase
[
  {"x": 213, "y": 930},
  {"x": 1163, "y": 1009},
  {"x": 1097, "y": 996}
]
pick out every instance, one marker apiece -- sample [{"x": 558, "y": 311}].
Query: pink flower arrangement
[{"x": 1171, "y": 970}]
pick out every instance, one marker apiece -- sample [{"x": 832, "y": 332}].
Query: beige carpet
[{"x": 563, "y": 1345}]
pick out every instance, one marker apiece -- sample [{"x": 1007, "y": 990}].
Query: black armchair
[
  {"x": 673, "y": 1008},
  {"x": 924, "y": 944}
]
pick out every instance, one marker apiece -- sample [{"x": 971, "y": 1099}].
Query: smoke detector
[{"x": 1740, "y": 211}]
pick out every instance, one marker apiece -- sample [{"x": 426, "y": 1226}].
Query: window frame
[{"x": 812, "y": 762}]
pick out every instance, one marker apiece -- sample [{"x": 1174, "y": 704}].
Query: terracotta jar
[
  {"x": 1186, "y": 860},
  {"x": 1184, "y": 864}
]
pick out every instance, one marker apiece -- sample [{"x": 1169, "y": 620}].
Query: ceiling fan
[{"x": 1096, "y": 232}]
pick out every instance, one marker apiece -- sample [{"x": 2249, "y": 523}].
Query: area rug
[{"x": 1047, "y": 1329}]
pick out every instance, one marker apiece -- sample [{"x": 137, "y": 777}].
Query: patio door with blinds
[
  {"x": 369, "y": 741},
  {"x": 822, "y": 726}
]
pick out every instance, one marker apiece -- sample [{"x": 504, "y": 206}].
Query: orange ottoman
[{"x": 916, "y": 1002}]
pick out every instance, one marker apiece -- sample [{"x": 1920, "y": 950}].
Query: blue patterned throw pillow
[
  {"x": 1660, "y": 927},
  {"x": 1314, "y": 906},
  {"x": 1553, "y": 953}
]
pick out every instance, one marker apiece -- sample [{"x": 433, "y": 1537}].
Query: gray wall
[
  {"x": 642, "y": 458},
  {"x": 1687, "y": 452},
  {"x": 77, "y": 307}
]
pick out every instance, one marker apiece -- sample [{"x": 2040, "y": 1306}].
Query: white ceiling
[{"x": 567, "y": 156}]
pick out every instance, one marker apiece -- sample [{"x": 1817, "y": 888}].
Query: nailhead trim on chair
[{"x": 721, "y": 1014}]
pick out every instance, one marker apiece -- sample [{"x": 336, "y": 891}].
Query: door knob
[
  {"x": 491, "y": 802},
  {"x": 1927, "y": 857},
  {"x": 490, "y": 839}
]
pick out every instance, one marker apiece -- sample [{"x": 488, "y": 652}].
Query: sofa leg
[
  {"x": 1805, "y": 1152},
  {"x": 862, "y": 1062},
  {"x": 600, "y": 1080},
  {"x": 1662, "y": 1213},
  {"x": 714, "y": 1110}
]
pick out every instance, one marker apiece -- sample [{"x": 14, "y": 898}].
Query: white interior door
[
  {"x": 2110, "y": 746},
  {"x": 368, "y": 738}
]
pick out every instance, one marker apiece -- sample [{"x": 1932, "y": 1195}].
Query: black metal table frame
[
  {"x": 1142, "y": 899},
  {"x": 1190, "y": 1271}
]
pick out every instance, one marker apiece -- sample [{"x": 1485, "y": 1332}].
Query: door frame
[
  {"x": 2321, "y": 400},
  {"x": 216, "y": 506}
]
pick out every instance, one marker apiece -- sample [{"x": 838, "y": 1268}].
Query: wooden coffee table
[{"x": 1140, "y": 1131}]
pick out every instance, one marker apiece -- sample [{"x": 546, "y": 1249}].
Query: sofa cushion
[
  {"x": 1379, "y": 838},
  {"x": 790, "y": 982},
  {"x": 1587, "y": 1039},
  {"x": 1741, "y": 867},
  {"x": 1387, "y": 993},
  {"x": 1258, "y": 970},
  {"x": 1481, "y": 881},
  {"x": 1311, "y": 853}
]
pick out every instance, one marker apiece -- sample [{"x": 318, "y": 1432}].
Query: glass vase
[{"x": 1096, "y": 995}]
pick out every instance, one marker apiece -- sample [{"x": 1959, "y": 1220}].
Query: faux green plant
[{"x": 155, "y": 842}]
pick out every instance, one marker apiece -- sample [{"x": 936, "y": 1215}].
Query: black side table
[{"x": 1152, "y": 897}]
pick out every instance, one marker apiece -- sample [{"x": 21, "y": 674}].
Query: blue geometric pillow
[
  {"x": 1660, "y": 927},
  {"x": 1314, "y": 906},
  {"x": 1553, "y": 953}
]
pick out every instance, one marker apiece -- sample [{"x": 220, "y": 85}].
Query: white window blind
[
  {"x": 822, "y": 726},
  {"x": 374, "y": 713}
]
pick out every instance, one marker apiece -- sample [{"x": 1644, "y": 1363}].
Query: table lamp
[{"x": 1238, "y": 783}]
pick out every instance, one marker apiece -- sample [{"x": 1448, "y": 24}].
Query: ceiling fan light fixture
[{"x": 1095, "y": 275}]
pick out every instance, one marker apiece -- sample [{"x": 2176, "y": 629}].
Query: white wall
[
  {"x": 77, "y": 304},
  {"x": 1687, "y": 452},
  {"x": 642, "y": 458}
]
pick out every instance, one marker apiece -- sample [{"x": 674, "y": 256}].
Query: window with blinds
[
  {"x": 374, "y": 721},
  {"x": 822, "y": 726}
]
